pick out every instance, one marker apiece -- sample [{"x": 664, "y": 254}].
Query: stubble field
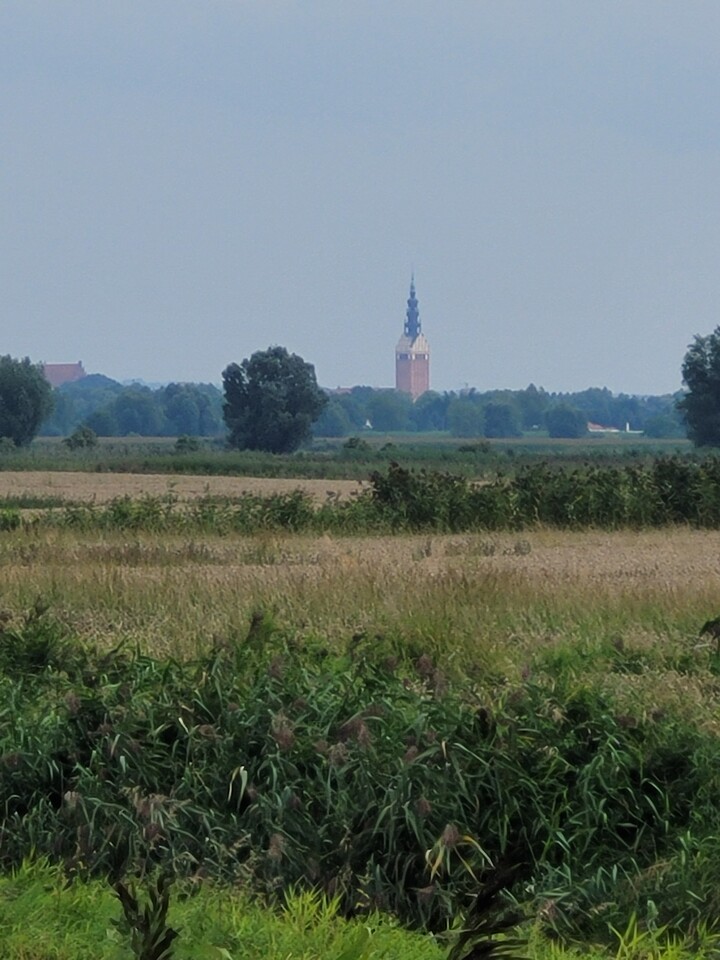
[{"x": 102, "y": 487}]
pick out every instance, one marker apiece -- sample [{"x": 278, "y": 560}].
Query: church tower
[{"x": 412, "y": 354}]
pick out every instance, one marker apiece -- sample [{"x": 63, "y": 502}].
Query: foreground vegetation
[
  {"x": 403, "y": 704},
  {"x": 369, "y": 773},
  {"x": 375, "y": 718},
  {"x": 41, "y": 916}
]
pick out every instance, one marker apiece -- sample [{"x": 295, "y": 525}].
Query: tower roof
[{"x": 412, "y": 314}]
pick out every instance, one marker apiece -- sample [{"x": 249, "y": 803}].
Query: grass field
[
  {"x": 614, "y": 613},
  {"x": 465, "y": 596}
]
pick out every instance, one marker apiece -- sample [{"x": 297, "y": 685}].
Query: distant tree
[
  {"x": 192, "y": 409},
  {"x": 76, "y": 401},
  {"x": 271, "y": 401},
  {"x": 501, "y": 420},
  {"x": 355, "y": 409},
  {"x": 700, "y": 405},
  {"x": 430, "y": 410},
  {"x": 465, "y": 418},
  {"x": 137, "y": 411},
  {"x": 532, "y": 403},
  {"x": 663, "y": 427},
  {"x": 103, "y": 423},
  {"x": 566, "y": 421},
  {"x": 62, "y": 418},
  {"x": 389, "y": 410},
  {"x": 333, "y": 421},
  {"x": 26, "y": 399},
  {"x": 181, "y": 410}
]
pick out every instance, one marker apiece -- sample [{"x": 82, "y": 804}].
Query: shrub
[{"x": 82, "y": 438}]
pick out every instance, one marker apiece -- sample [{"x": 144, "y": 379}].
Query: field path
[{"x": 106, "y": 486}]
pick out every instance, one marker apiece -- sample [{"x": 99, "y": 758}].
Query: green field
[{"x": 335, "y": 459}]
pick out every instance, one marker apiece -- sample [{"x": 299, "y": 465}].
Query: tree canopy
[
  {"x": 271, "y": 401},
  {"x": 25, "y": 399},
  {"x": 565, "y": 421},
  {"x": 700, "y": 406}
]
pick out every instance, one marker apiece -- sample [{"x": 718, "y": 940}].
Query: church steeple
[
  {"x": 412, "y": 315},
  {"x": 412, "y": 354}
]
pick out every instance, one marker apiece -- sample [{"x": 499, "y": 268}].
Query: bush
[
  {"x": 82, "y": 438},
  {"x": 187, "y": 444}
]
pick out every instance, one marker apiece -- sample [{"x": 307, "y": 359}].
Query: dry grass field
[
  {"x": 496, "y": 604},
  {"x": 102, "y": 487}
]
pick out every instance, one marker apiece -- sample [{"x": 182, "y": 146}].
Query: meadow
[
  {"x": 334, "y": 459},
  {"x": 369, "y": 717}
]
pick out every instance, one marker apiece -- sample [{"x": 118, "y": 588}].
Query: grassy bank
[{"x": 43, "y": 917}]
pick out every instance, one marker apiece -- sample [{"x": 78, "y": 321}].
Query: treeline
[
  {"x": 113, "y": 410},
  {"x": 498, "y": 413}
]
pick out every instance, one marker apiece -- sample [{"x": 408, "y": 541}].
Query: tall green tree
[
  {"x": 465, "y": 418},
  {"x": 700, "y": 405},
  {"x": 389, "y": 410},
  {"x": 271, "y": 401},
  {"x": 501, "y": 420},
  {"x": 566, "y": 421},
  {"x": 333, "y": 421},
  {"x": 26, "y": 399}
]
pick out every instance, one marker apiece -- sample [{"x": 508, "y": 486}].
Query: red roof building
[{"x": 59, "y": 373}]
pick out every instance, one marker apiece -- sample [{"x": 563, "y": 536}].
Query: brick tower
[{"x": 412, "y": 354}]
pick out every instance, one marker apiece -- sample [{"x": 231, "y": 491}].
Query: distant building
[
  {"x": 59, "y": 373},
  {"x": 412, "y": 354}
]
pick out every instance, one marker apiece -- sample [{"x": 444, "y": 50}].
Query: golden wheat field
[
  {"x": 102, "y": 487},
  {"x": 490, "y": 597}
]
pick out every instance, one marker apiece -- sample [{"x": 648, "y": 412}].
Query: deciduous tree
[
  {"x": 271, "y": 401},
  {"x": 566, "y": 421},
  {"x": 25, "y": 399},
  {"x": 701, "y": 404}
]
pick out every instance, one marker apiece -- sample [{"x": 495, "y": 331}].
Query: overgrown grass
[
  {"x": 43, "y": 916},
  {"x": 480, "y": 603},
  {"x": 375, "y": 777}
]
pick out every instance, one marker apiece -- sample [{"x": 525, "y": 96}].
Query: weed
[{"x": 150, "y": 936}]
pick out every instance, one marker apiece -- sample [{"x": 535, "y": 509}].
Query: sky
[{"x": 184, "y": 182}]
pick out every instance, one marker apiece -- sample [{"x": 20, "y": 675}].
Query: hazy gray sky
[{"x": 183, "y": 183}]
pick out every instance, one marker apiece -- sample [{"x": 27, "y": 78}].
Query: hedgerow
[{"x": 665, "y": 492}]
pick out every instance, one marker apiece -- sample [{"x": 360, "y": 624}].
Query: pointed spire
[{"x": 412, "y": 315}]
